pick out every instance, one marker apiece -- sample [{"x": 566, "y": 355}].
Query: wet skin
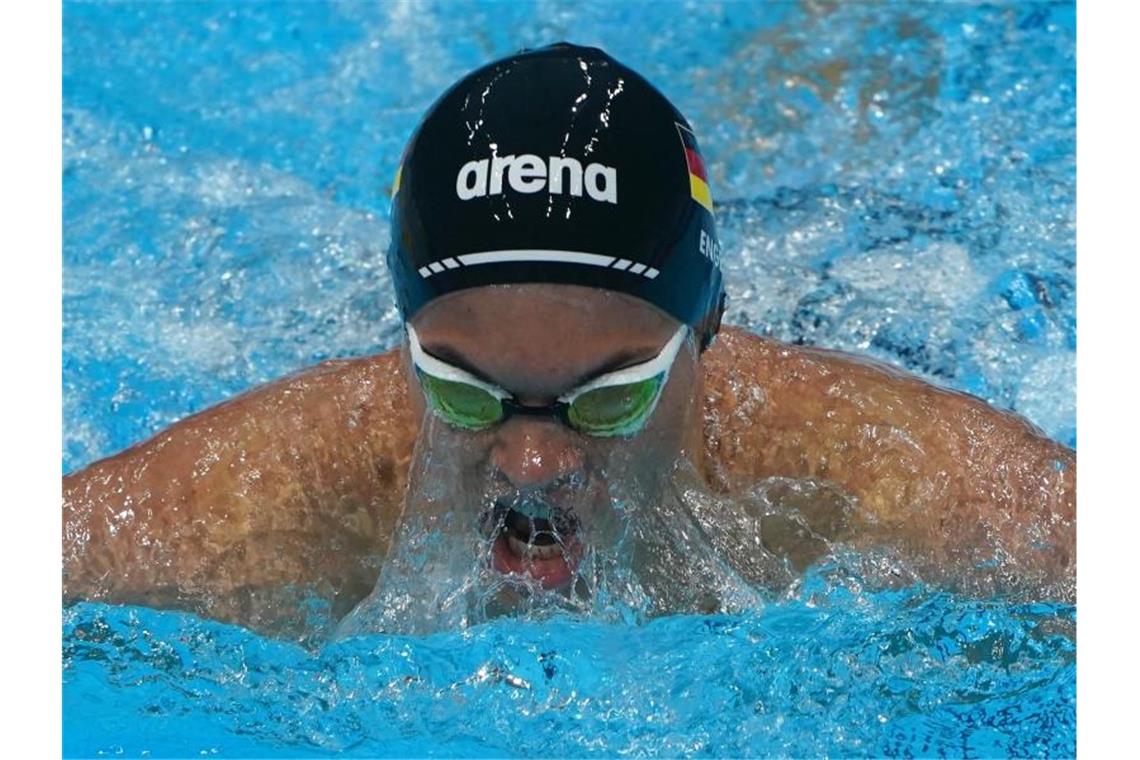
[
  {"x": 295, "y": 487},
  {"x": 547, "y": 341}
]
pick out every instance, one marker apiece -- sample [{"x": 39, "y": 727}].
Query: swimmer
[{"x": 557, "y": 268}]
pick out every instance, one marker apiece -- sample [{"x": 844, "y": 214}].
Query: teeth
[{"x": 531, "y": 551}]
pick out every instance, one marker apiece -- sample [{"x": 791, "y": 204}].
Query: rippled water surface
[{"x": 894, "y": 179}]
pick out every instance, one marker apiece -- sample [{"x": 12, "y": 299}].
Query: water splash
[
  {"x": 834, "y": 131},
  {"x": 831, "y": 669}
]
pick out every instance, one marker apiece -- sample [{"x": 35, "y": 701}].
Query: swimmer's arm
[
  {"x": 291, "y": 488},
  {"x": 940, "y": 474}
]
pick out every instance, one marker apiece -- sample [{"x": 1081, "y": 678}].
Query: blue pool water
[{"x": 893, "y": 179}]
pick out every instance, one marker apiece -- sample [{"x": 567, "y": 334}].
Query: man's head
[{"x": 555, "y": 257}]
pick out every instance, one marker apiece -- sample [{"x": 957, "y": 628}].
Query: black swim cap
[{"x": 557, "y": 165}]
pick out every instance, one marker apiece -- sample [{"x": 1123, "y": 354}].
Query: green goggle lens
[
  {"x": 616, "y": 403},
  {"x": 609, "y": 411},
  {"x": 460, "y": 404},
  {"x": 616, "y": 409}
]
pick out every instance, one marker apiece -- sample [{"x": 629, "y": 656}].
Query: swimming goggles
[{"x": 617, "y": 403}]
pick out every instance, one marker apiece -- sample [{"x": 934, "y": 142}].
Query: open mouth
[{"x": 545, "y": 549}]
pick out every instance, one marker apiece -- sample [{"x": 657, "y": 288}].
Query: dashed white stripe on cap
[{"x": 543, "y": 256}]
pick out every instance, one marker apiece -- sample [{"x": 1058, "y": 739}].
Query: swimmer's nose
[{"x": 535, "y": 453}]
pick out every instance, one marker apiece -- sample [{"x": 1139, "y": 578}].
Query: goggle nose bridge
[{"x": 560, "y": 410}]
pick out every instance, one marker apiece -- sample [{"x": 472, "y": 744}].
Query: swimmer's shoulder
[
  {"x": 368, "y": 379},
  {"x": 777, "y": 409},
  {"x": 741, "y": 367},
  {"x": 375, "y": 387},
  {"x": 294, "y": 484},
  {"x": 367, "y": 394},
  {"x": 383, "y": 369},
  {"x": 740, "y": 356},
  {"x": 736, "y": 349},
  {"x": 750, "y": 378}
]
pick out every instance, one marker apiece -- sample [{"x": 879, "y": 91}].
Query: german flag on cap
[{"x": 698, "y": 179}]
